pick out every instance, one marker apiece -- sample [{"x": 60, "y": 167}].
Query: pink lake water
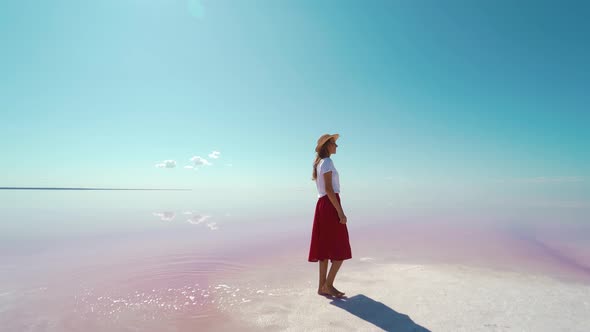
[{"x": 89, "y": 265}]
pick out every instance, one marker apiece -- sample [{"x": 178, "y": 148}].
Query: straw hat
[{"x": 324, "y": 139}]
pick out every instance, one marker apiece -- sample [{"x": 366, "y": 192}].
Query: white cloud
[
  {"x": 198, "y": 161},
  {"x": 197, "y": 219},
  {"x": 166, "y": 164},
  {"x": 214, "y": 154},
  {"x": 165, "y": 215},
  {"x": 212, "y": 226},
  {"x": 189, "y": 167}
]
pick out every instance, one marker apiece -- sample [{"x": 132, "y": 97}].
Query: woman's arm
[{"x": 332, "y": 196}]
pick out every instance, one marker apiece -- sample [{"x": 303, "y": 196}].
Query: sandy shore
[{"x": 404, "y": 297}]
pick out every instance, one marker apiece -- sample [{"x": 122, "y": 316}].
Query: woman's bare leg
[
  {"x": 329, "y": 285},
  {"x": 323, "y": 273}
]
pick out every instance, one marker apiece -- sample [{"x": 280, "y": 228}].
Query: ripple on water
[{"x": 139, "y": 292}]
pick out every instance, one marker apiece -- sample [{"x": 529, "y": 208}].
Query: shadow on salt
[{"x": 378, "y": 314}]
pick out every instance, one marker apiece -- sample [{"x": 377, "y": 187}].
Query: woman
[{"x": 329, "y": 237}]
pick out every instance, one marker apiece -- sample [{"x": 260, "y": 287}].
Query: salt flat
[{"x": 406, "y": 297}]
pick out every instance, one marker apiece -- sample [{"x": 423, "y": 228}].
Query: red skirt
[{"x": 329, "y": 238}]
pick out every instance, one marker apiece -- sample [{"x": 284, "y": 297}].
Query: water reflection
[
  {"x": 165, "y": 215},
  {"x": 193, "y": 218},
  {"x": 197, "y": 219}
]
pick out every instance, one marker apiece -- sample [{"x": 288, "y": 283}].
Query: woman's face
[{"x": 332, "y": 146}]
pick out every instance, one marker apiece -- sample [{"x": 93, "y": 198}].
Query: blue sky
[{"x": 436, "y": 102}]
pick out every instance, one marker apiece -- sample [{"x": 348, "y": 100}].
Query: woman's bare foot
[
  {"x": 322, "y": 293},
  {"x": 330, "y": 290},
  {"x": 339, "y": 292}
]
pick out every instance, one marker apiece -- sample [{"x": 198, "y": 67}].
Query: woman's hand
[{"x": 342, "y": 217}]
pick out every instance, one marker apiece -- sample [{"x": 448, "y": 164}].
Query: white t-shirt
[{"x": 326, "y": 165}]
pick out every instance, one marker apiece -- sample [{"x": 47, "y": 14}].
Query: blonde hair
[{"x": 323, "y": 153}]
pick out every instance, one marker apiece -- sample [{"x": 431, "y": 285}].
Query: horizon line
[{"x": 82, "y": 188}]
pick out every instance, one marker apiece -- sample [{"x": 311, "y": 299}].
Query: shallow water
[{"x": 129, "y": 262}]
